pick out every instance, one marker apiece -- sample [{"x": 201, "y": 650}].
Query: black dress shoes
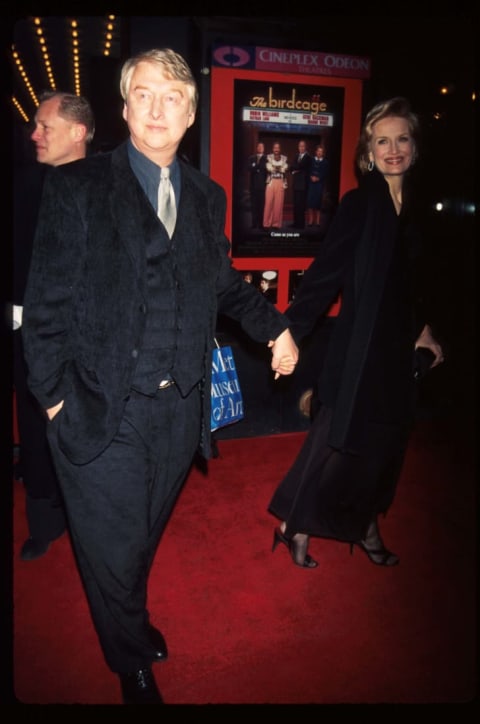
[
  {"x": 156, "y": 637},
  {"x": 140, "y": 687},
  {"x": 34, "y": 548}
]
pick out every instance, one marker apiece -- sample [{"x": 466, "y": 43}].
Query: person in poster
[
  {"x": 300, "y": 170},
  {"x": 257, "y": 169},
  {"x": 277, "y": 166},
  {"x": 268, "y": 286},
  {"x": 319, "y": 169}
]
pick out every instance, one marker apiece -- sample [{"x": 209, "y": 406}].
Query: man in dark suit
[
  {"x": 300, "y": 169},
  {"x": 63, "y": 128},
  {"x": 119, "y": 323},
  {"x": 257, "y": 168}
]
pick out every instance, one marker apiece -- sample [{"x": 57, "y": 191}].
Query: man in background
[{"x": 64, "y": 126}]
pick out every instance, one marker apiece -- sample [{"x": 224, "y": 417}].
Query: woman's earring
[{"x": 370, "y": 165}]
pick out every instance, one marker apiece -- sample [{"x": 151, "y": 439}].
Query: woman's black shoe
[
  {"x": 379, "y": 556},
  {"x": 297, "y": 545},
  {"x": 373, "y": 546}
]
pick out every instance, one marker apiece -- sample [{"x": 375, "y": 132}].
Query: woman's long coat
[{"x": 369, "y": 258}]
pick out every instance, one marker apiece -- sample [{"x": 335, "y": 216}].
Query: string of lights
[
  {"x": 109, "y": 34},
  {"x": 51, "y": 52},
  {"x": 44, "y": 51},
  {"x": 20, "y": 110},
  {"x": 75, "y": 56},
  {"x": 23, "y": 74}
]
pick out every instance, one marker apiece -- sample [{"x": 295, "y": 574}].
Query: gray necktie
[{"x": 166, "y": 202}]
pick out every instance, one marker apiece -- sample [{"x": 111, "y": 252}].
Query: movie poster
[{"x": 287, "y": 144}]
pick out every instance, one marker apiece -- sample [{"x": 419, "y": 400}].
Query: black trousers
[
  {"x": 118, "y": 506},
  {"x": 299, "y": 208},
  {"x": 44, "y": 507}
]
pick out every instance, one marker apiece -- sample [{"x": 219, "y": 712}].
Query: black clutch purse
[{"x": 422, "y": 361}]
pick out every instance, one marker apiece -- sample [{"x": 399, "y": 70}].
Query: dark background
[{"x": 412, "y": 54}]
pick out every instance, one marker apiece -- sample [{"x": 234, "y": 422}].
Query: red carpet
[{"x": 245, "y": 626}]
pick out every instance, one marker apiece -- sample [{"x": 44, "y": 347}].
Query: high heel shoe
[
  {"x": 297, "y": 549},
  {"x": 372, "y": 545},
  {"x": 379, "y": 556}
]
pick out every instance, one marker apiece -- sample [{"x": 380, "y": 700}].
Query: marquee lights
[
  {"x": 75, "y": 57},
  {"x": 23, "y": 74},
  {"x": 20, "y": 109},
  {"x": 109, "y": 35},
  {"x": 39, "y": 27},
  {"x": 44, "y": 51}
]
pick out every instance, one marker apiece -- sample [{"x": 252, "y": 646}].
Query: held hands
[
  {"x": 426, "y": 339},
  {"x": 284, "y": 354}
]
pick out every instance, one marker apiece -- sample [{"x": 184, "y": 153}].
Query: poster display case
[{"x": 278, "y": 103}]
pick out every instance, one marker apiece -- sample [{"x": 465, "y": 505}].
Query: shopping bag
[{"x": 227, "y": 400}]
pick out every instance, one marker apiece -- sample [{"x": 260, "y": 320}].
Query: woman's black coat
[{"x": 369, "y": 258}]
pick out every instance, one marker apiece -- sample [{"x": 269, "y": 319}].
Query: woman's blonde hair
[{"x": 398, "y": 107}]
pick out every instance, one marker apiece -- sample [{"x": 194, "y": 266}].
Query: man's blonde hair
[{"x": 173, "y": 66}]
